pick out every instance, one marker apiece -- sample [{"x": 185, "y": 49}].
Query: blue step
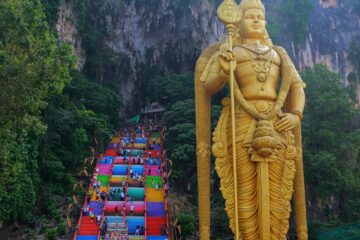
[
  {"x": 140, "y": 140},
  {"x": 120, "y": 169},
  {"x": 156, "y": 162},
  {"x": 133, "y": 222},
  {"x": 106, "y": 160},
  {"x": 156, "y": 237},
  {"x": 139, "y": 169},
  {"x": 84, "y": 237}
]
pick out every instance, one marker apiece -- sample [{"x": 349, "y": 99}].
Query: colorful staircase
[{"x": 131, "y": 176}]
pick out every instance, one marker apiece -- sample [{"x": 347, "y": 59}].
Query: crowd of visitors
[
  {"x": 116, "y": 236},
  {"x": 113, "y": 230}
]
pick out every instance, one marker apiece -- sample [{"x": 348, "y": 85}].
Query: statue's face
[{"x": 253, "y": 24}]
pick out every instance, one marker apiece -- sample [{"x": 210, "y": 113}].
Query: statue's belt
[{"x": 262, "y": 106}]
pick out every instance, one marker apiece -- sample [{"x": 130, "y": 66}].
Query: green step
[
  {"x": 104, "y": 179},
  {"x": 157, "y": 179},
  {"x": 136, "y": 152},
  {"x": 137, "y": 193},
  {"x": 155, "y": 135},
  {"x": 136, "y": 237}
]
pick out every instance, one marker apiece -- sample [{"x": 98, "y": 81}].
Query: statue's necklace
[
  {"x": 257, "y": 50},
  {"x": 261, "y": 64}
]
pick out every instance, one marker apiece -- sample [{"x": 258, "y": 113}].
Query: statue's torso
[{"x": 263, "y": 62}]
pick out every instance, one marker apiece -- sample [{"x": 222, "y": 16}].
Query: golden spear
[{"x": 230, "y": 14}]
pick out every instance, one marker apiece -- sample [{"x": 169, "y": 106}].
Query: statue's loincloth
[
  {"x": 281, "y": 171},
  {"x": 245, "y": 124}
]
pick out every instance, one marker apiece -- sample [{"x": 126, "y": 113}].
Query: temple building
[{"x": 152, "y": 113}]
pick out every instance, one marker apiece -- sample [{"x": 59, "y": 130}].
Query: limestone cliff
[
  {"x": 172, "y": 33},
  {"x": 332, "y": 27},
  {"x": 66, "y": 28}
]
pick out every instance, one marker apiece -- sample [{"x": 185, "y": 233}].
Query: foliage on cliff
[
  {"x": 32, "y": 68},
  {"x": 297, "y": 15},
  {"x": 331, "y": 137},
  {"x": 354, "y": 77},
  {"x": 50, "y": 114}
]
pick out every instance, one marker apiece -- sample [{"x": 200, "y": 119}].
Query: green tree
[
  {"x": 331, "y": 147},
  {"x": 51, "y": 10},
  {"x": 187, "y": 223},
  {"x": 32, "y": 67},
  {"x": 176, "y": 93},
  {"x": 180, "y": 142},
  {"x": 220, "y": 224},
  {"x": 83, "y": 116}
]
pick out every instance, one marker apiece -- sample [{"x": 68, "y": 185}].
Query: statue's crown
[{"x": 248, "y": 4}]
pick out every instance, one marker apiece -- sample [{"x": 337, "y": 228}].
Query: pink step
[
  {"x": 153, "y": 169},
  {"x": 104, "y": 169}
]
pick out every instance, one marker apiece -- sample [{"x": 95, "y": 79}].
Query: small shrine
[{"x": 152, "y": 113}]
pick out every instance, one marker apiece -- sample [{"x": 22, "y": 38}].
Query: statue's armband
[
  {"x": 213, "y": 78},
  {"x": 297, "y": 84}
]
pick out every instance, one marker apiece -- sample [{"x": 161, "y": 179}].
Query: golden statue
[{"x": 262, "y": 119}]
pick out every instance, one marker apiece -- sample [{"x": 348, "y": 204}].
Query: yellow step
[{"x": 153, "y": 195}]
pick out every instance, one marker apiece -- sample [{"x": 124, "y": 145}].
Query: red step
[
  {"x": 153, "y": 225},
  {"x": 111, "y": 152},
  {"x": 88, "y": 228}
]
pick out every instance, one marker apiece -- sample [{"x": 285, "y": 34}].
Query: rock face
[
  {"x": 171, "y": 34},
  {"x": 327, "y": 3},
  {"x": 332, "y": 27},
  {"x": 67, "y": 30}
]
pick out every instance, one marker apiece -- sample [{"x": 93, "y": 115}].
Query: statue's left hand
[{"x": 287, "y": 122}]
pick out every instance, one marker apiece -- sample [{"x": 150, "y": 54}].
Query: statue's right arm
[{"x": 216, "y": 79}]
